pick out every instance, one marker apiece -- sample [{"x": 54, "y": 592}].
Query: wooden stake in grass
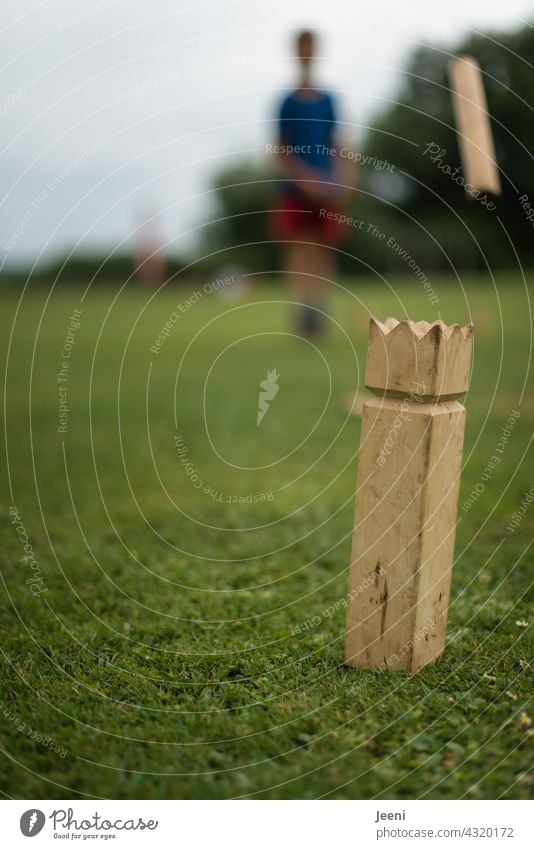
[
  {"x": 475, "y": 139},
  {"x": 407, "y": 494}
]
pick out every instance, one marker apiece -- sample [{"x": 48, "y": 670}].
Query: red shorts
[{"x": 294, "y": 216}]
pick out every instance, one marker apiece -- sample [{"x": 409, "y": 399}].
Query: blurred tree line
[{"x": 416, "y": 202}]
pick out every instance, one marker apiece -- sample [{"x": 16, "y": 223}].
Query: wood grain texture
[
  {"x": 407, "y": 493},
  {"x": 473, "y": 126},
  {"x": 418, "y": 358},
  {"x": 403, "y": 539}
]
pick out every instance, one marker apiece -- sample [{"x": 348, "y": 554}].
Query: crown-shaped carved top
[{"x": 418, "y": 358}]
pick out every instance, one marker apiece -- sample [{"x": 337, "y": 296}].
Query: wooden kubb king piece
[{"x": 407, "y": 493}]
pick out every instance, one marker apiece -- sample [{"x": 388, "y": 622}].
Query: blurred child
[{"x": 308, "y": 160}]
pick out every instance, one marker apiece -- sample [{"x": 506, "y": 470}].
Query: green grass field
[{"x": 172, "y": 637}]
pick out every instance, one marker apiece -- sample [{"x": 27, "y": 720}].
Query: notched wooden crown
[
  {"x": 421, "y": 328},
  {"x": 419, "y": 358}
]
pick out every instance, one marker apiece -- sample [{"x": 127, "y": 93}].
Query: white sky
[{"x": 155, "y": 97}]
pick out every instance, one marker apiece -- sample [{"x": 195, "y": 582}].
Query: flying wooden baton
[{"x": 475, "y": 139}]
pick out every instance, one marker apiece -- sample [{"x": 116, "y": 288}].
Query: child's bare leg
[
  {"x": 296, "y": 267},
  {"x": 322, "y": 269},
  {"x": 310, "y": 270}
]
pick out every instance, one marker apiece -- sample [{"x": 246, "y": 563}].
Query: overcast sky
[{"x": 113, "y": 110}]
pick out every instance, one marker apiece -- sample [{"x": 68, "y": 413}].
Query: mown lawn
[{"x": 176, "y": 639}]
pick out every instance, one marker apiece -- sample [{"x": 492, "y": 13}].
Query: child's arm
[
  {"x": 312, "y": 182},
  {"x": 346, "y": 172}
]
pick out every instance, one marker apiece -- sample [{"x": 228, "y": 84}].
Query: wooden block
[
  {"x": 475, "y": 138},
  {"x": 407, "y": 493},
  {"x": 433, "y": 358}
]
